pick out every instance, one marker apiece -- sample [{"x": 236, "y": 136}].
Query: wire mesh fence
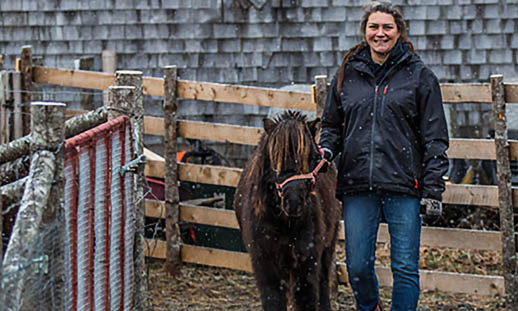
[
  {"x": 82, "y": 259},
  {"x": 103, "y": 211},
  {"x": 41, "y": 273}
]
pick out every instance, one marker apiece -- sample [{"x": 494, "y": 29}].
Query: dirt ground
[{"x": 200, "y": 288}]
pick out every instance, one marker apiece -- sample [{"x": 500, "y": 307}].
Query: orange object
[{"x": 180, "y": 154}]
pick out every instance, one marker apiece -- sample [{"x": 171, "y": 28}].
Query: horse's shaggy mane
[
  {"x": 277, "y": 227},
  {"x": 287, "y": 142}
]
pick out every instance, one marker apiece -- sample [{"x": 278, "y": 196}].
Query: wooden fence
[{"x": 173, "y": 89}]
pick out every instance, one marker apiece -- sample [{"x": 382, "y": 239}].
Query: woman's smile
[{"x": 381, "y": 34}]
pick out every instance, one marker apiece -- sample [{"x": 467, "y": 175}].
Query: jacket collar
[{"x": 362, "y": 61}]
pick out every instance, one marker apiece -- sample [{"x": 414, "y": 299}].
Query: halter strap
[{"x": 312, "y": 175}]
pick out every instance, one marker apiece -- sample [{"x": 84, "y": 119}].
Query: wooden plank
[
  {"x": 430, "y": 236},
  {"x": 209, "y": 174},
  {"x": 511, "y": 92},
  {"x": 208, "y": 216},
  {"x": 73, "y": 78},
  {"x": 154, "y": 209},
  {"x": 476, "y": 195},
  {"x": 216, "y": 258},
  {"x": 460, "y": 238},
  {"x": 430, "y": 280},
  {"x": 471, "y": 284},
  {"x": 186, "y": 89},
  {"x": 466, "y": 92},
  {"x": 513, "y": 150},
  {"x": 463, "y": 148},
  {"x": 451, "y": 92},
  {"x": 154, "y": 126},
  {"x": 483, "y": 149},
  {"x": 246, "y": 95},
  {"x": 155, "y": 248},
  {"x": 245, "y": 135},
  {"x": 460, "y": 148},
  {"x": 150, "y": 155},
  {"x": 154, "y": 167},
  {"x": 205, "y": 174},
  {"x": 446, "y": 237},
  {"x": 153, "y": 86}
]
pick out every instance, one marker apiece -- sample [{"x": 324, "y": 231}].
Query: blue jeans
[{"x": 362, "y": 214}]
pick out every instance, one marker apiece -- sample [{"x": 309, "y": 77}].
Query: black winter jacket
[{"x": 388, "y": 126}]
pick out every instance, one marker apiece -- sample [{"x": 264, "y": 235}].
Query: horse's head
[{"x": 294, "y": 158}]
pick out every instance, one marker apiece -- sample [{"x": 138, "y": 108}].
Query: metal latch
[{"x": 135, "y": 166}]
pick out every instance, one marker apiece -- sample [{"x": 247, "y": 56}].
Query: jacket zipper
[
  {"x": 373, "y": 128},
  {"x": 371, "y": 164}
]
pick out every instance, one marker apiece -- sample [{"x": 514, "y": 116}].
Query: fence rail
[{"x": 476, "y": 195}]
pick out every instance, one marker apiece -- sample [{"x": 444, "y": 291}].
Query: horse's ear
[
  {"x": 268, "y": 125},
  {"x": 314, "y": 126}
]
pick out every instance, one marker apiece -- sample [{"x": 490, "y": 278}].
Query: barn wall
[
  {"x": 280, "y": 43},
  {"x": 231, "y": 41}
]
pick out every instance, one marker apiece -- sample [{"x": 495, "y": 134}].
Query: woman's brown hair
[{"x": 368, "y": 9}]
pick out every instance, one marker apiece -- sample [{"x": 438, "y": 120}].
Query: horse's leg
[
  {"x": 326, "y": 277},
  {"x": 273, "y": 293},
  {"x": 307, "y": 285}
]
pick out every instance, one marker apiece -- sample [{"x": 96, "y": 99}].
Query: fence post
[
  {"x": 8, "y": 105},
  {"x": 122, "y": 100},
  {"x": 320, "y": 94},
  {"x": 134, "y": 78},
  {"x": 53, "y": 216},
  {"x": 27, "y": 87},
  {"x": 86, "y": 100},
  {"x": 4, "y": 137},
  {"x": 18, "y": 112},
  {"x": 172, "y": 197},
  {"x": 505, "y": 198},
  {"x": 109, "y": 65},
  {"x": 1, "y": 237},
  {"x": 34, "y": 215}
]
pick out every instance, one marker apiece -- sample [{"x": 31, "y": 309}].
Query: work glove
[
  {"x": 327, "y": 155},
  {"x": 431, "y": 208}
]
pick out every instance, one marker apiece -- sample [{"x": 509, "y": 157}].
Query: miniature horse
[{"x": 288, "y": 215}]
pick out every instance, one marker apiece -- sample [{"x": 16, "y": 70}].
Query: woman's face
[{"x": 381, "y": 33}]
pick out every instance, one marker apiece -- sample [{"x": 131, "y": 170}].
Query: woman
[{"x": 384, "y": 116}]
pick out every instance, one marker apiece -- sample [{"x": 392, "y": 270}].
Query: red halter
[{"x": 311, "y": 175}]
